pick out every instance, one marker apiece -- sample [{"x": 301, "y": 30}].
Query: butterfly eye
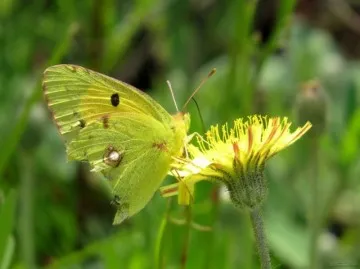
[
  {"x": 115, "y": 99},
  {"x": 112, "y": 157}
]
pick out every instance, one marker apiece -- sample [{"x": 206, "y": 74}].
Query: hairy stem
[{"x": 258, "y": 227}]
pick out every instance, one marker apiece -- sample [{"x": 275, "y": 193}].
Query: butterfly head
[
  {"x": 182, "y": 121},
  {"x": 181, "y": 125}
]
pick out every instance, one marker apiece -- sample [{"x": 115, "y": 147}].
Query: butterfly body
[{"x": 122, "y": 132}]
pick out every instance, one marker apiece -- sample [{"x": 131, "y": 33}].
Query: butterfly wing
[
  {"x": 78, "y": 96},
  {"x": 132, "y": 154},
  {"x": 120, "y": 131}
]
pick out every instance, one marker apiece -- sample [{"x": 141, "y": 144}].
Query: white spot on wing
[{"x": 114, "y": 156}]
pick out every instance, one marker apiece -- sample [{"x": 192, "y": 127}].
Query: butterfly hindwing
[{"x": 131, "y": 154}]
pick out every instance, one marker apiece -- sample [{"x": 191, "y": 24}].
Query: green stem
[
  {"x": 214, "y": 213},
  {"x": 185, "y": 249},
  {"x": 26, "y": 229},
  {"x": 263, "y": 249},
  {"x": 314, "y": 208},
  {"x": 159, "y": 249},
  {"x": 341, "y": 184}
]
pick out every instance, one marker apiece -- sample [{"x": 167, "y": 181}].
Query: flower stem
[
  {"x": 159, "y": 248},
  {"x": 315, "y": 225},
  {"x": 258, "y": 226},
  {"x": 185, "y": 249},
  {"x": 215, "y": 203},
  {"x": 26, "y": 223}
]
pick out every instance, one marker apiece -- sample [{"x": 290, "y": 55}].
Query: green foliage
[
  {"x": 60, "y": 217},
  {"x": 7, "y": 214}
]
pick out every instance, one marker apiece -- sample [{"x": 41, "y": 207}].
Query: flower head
[{"x": 235, "y": 157}]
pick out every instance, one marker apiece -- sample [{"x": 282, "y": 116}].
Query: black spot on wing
[
  {"x": 82, "y": 123},
  {"x": 115, "y": 99}
]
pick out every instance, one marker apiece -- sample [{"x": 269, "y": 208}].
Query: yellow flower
[{"x": 235, "y": 157}]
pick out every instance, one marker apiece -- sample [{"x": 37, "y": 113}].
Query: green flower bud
[{"x": 312, "y": 105}]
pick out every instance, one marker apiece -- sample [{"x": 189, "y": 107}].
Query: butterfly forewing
[{"x": 78, "y": 96}]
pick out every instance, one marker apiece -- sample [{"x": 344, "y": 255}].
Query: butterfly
[{"x": 119, "y": 130}]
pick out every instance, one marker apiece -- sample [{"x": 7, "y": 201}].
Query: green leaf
[
  {"x": 8, "y": 254},
  {"x": 7, "y": 212},
  {"x": 350, "y": 141},
  {"x": 287, "y": 240},
  {"x": 350, "y": 106}
]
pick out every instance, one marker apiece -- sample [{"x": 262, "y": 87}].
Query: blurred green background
[{"x": 55, "y": 214}]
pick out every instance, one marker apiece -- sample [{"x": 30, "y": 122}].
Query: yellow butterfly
[{"x": 122, "y": 132}]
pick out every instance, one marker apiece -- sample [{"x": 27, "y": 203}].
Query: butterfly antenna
[
  {"x": 212, "y": 72},
  {"x": 200, "y": 115},
  {"x": 172, "y": 94}
]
